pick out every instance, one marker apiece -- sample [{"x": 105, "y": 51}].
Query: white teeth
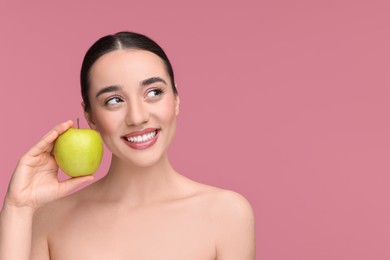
[{"x": 142, "y": 138}]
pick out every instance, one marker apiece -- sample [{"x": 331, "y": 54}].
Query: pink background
[{"x": 286, "y": 102}]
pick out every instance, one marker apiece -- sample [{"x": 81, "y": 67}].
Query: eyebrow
[
  {"x": 152, "y": 80},
  {"x": 108, "y": 89}
]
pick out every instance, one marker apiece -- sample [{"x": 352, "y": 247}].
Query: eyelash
[
  {"x": 118, "y": 99},
  {"x": 158, "y": 91}
]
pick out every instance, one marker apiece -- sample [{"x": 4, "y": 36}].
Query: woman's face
[{"x": 133, "y": 105}]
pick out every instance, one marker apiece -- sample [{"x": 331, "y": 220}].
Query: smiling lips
[{"x": 141, "y": 139}]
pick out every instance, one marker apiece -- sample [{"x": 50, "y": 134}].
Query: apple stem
[{"x": 78, "y": 123}]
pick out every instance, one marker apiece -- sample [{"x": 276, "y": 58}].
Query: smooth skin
[
  {"x": 142, "y": 208},
  {"x": 34, "y": 183}
]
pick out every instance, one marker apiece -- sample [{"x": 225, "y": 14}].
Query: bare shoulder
[
  {"x": 225, "y": 202},
  {"x": 232, "y": 218},
  {"x": 56, "y": 212},
  {"x": 223, "y": 206},
  {"x": 46, "y": 220}
]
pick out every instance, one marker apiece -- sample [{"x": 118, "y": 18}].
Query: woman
[{"x": 142, "y": 208}]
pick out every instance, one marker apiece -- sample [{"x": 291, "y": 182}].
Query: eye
[
  {"x": 154, "y": 92},
  {"x": 113, "y": 101}
]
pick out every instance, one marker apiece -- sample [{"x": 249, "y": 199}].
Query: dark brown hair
[{"x": 118, "y": 41}]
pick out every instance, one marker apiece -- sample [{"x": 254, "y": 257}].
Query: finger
[
  {"x": 72, "y": 183},
  {"x": 46, "y": 142}
]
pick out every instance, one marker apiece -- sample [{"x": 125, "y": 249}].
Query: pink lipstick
[{"x": 142, "y": 139}]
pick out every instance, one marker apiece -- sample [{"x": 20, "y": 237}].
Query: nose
[{"x": 137, "y": 113}]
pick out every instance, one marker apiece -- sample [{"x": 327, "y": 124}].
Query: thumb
[{"x": 72, "y": 183}]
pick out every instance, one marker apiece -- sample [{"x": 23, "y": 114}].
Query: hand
[{"x": 34, "y": 181}]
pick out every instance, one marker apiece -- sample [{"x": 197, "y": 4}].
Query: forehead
[{"x": 125, "y": 65}]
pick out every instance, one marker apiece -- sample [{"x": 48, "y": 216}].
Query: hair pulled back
[{"x": 119, "y": 41}]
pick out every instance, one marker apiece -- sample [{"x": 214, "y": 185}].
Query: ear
[
  {"x": 177, "y": 105},
  {"x": 88, "y": 117}
]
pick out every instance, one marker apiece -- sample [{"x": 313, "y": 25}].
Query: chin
[{"x": 146, "y": 160}]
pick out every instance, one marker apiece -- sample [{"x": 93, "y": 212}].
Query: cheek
[
  {"x": 167, "y": 113},
  {"x": 172, "y": 106},
  {"x": 108, "y": 126},
  {"x": 106, "y": 122}
]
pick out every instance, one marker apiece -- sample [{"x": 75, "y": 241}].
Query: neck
[{"x": 133, "y": 184}]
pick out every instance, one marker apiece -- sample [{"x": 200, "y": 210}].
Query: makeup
[{"x": 142, "y": 139}]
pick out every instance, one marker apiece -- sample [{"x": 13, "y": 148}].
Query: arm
[
  {"x": 33, "y": 184},
  {"x": 15, "y": 232},
  {"x": 236, "y": 229}
]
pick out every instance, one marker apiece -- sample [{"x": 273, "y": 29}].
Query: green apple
[{"x": 78, "y": 152}]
